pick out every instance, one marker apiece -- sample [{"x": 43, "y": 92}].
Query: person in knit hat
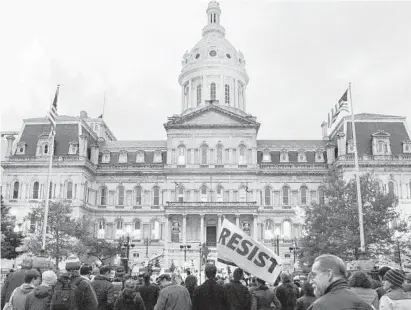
[
  {"x": 40, "y": 298},
  {"x": 395, "y": 298}
]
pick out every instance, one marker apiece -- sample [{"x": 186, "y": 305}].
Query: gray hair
[
  {"x": 176, "y": 278},
  {"x": 336, "y": 264}
]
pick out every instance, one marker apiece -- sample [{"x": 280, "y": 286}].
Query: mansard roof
[
  {"x": 292, "y": 157},
  {"x": 212, "y": 116},
  {"x": 131, "y": 158},
  {"x": 135, "y": 145},
  {"x": 291, "y": 144}
]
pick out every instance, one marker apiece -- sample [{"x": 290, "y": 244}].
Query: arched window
[
  {"x": 180, "y": 194},
  {"x": 36, "y": 190},
  {"x": 103, "y": 196},
  {"x": 267, "y": 196},
  {"x": 227, "y": 93},
  {"x": 219, "y": 193},
  {"x": 198, "y": 95},
  {"x": 242, "y": 195},
  {"x": 46, "y": 149},
  {"x": 120, "y": 195},
  {"x": 212, "y": 91},
  {"x": 303, "y": 194},
  {"x": 219, "y": 154},
  {"x": 242, "y": 160},
  {"x": 69, "y": 190},
  {"x": 391, "y": 188},
  {"x": 286, "y": 195},
  {"x": 181, "y": 155},
  {"x": 321, "y": 196},
  {"x": 119, "y": 225},
  {"x": 203, "y": 194},
  {"x": 204, "y": 155},
  {"x": 16, "y": 190},
  {"x": 287, "y": 229},
  {"x": 156, "y": 192},
  {"x": 138, "y": 195},
  {"x": 268, "y": 230},
  {"x": 137, "y": 230},
  {"x": 155, "y": 230}
]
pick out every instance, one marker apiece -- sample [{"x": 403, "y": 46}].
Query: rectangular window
[
  {"x": 69, "y": 190},
  {"x": 138, "y": 196}
]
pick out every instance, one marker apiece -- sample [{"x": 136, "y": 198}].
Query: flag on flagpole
[
  {"x": 342, "y": 106},
  {"x": 52, "y": 115}
]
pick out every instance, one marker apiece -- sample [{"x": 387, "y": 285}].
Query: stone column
[
  {"x": 184, "y": 228},
  {"x": 218, "y": 225},
  {"x": 190, "y": 95},
  {"x": 182, "y": 98},
  {"x": 341, "y": 144},
  {"x": 237, "y": 220},
  {"x": 255, "y": 230},
  {"x": 330, "y": 153},
  {"x": 10, "y": 140},
  {"x": 202, "y": 228},
  {"x": 222, "y": 92},
  {"x": 235, "y": 96},
  {"x": 83, "y": 146}
]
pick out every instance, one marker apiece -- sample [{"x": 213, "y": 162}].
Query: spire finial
[{"x": 213, "y": 19}]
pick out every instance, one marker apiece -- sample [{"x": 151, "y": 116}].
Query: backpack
[{"x": 65, "y": 295}]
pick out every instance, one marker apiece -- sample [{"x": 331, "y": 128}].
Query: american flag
[{"x": 53, "y": 111}]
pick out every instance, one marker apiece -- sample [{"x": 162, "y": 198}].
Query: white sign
[{"x": 236, "y": 247}]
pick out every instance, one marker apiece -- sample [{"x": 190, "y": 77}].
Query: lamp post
[
  {"x": 275, "y": 242},
  {"x": 147, "y": 242},
  {"x": 294, "y": 249},
  {"x": 184, "y": 248},
  {"x": 126, "y": 244}
]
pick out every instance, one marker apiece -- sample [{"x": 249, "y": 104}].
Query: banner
[{"x": 236, "y": 247}]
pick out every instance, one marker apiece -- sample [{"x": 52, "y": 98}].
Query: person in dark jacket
[
  {"x": 328, "y": 278},
  {"x": 308, "y": 297},
  {"x": 287, "y": 293},
  {"x": 210, "y": 295},
  {"x": 87, "y": 297},
  {"x": 149, "y": 292},
  {"x": 40, "y": 297},
  {"x": 14, "y": 280},
  {"x": 191, "y": 284},
  {"x": 263, "y": 298},
  {"x": 238, "y": 294},
  {"x": 129, "y": 299},
  {"x": 381, "y": 273},
  {"x": 19, "y": 295},
  {"x": 104, "y": 289}
]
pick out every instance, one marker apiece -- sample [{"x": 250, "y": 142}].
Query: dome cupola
[{"x": 213, "y": 70}]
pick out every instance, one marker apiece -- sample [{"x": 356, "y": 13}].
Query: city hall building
[{"x": 210, "y": 167}]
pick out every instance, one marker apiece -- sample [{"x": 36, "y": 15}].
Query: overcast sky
[{"x": 300, "y": 57}]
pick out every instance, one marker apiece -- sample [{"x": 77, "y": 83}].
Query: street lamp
[
  {"x": 275, "y": 242},
  {"x": 294, "y": 249},
  {"x": 126, "y": 244},
  {"x": 185, "y": 248}
]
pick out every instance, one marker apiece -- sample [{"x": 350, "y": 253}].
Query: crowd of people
[{"x": 328, "y": 286}]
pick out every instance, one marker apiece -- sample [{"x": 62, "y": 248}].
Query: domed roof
[{"x": 213, "y": 48}]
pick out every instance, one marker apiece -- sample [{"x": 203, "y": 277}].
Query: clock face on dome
[
  {"x": 228, "y": 56},
  {"x": 213, "y": 53}
]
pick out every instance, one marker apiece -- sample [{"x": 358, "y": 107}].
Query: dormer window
[
  {"x": 158, "y": 159},
  {"x": 73, "y": 147},
  {"x": 45, "y": 148},
  {"x": 284, "y": 156},
  {"x": 122, "y": 157},
  {"x": 302, "y": 158},
  {"x": 350, "y": 148},
  {"x": 319, "y": 156},
  {"x": 106, "y": 157},
  {"x": 381, "y": 143},
  {"x": 21, "y": 148},
  {"x": 140, "y": 157},
  {"x": 266, "y": 156},
  {"x": 406, "y": 146}
]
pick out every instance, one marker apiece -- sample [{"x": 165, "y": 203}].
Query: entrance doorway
[{"x": 211, "y": 235}]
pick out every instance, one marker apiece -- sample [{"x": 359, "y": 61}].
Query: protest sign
[{"x": 235, "y": 247}]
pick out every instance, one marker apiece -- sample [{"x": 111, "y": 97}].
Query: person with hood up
[
  {"x": 19, "y": 295},
  {"x": 395, "y": 297},
  {"x": 40, "y": 297},
  {"x": 149, "y": 292},
  {"x": 238, "y": 294},
  {"x": 14, "y": 280},
  {"x": 129, "y": 299}
]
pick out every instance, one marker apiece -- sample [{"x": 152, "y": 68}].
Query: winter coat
[
  {"x": 211, "y": 296},
  {"x": 19, "y": 297},
  {"x": 173, "y": 297},
  {"x": 149, "y": 293},
  {"x": 39, "y": 298},
  {"x": 368, "y": 294},
  {"x": 13, "y": 281},
  {"x": 238, "y": 295},
  {"x": 304, "y": 302},
  {"x": 87, "y": 297},
  {"x": 396, "y": 297},
  {"x": 339, "y": 297},
  {"x": 105, "y": 292},
  {"x": 263, "y": 298},
  {"x": 129, "y": 299},
  {"x": 287, "y": 293}
]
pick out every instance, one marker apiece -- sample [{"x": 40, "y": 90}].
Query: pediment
[
  {"x": 381, "y": 134},
  {"x": 212, "y": 116}
]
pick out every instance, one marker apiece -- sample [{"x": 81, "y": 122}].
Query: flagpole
[
  {"x": 46, "y": 205},
  {"x": 357, "y": 178}
]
